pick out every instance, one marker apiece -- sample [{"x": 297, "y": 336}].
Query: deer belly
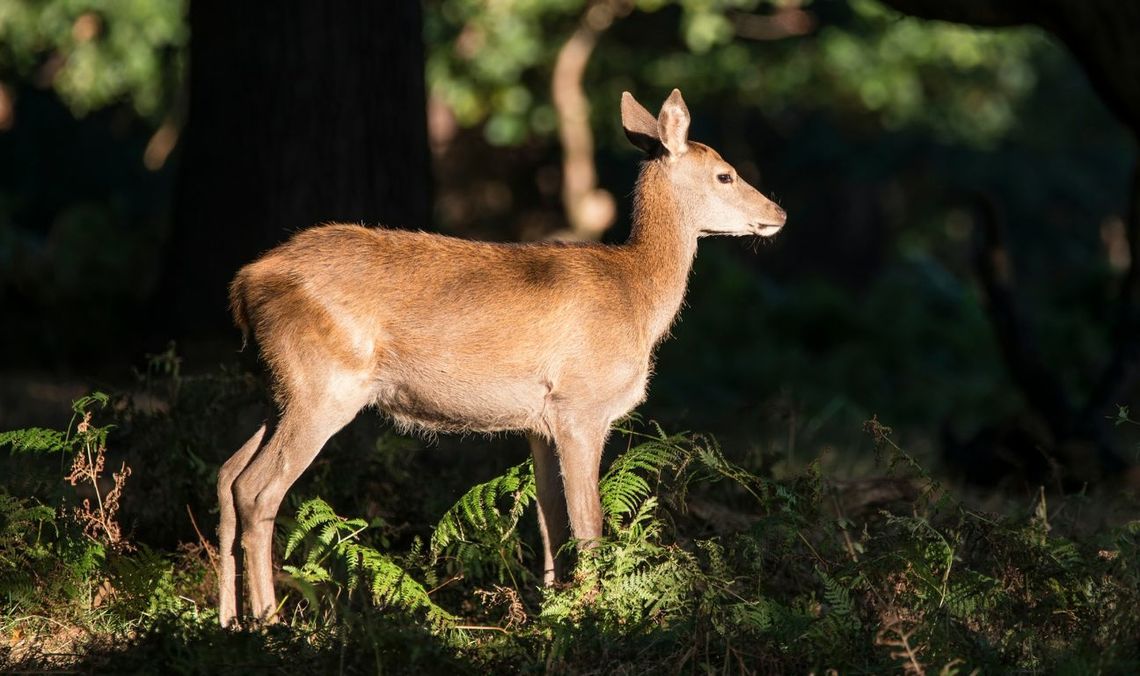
[{"x": 454, "y": 405}]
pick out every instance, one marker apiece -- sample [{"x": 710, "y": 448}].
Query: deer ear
[
  {"x": 639, "y": 125},
  {"x": 673, "y": 124}
]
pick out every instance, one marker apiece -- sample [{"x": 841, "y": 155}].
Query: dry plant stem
[
  {"x": 848, "y": 544},
  {"x": 99, "y": 524},
  {"x": 454, "y": 578},
  {"x": 211, "y": 551},
  {"x": 589, "y": 210},
  {"x": 901, "y": 641}
]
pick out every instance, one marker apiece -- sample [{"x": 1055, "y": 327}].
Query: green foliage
[
  {"x": 487, "y": 60},
  {"x": 626, "y": 485},
  {"x": 797, "y": 584},
  {"x": 45, "y": 557},
  {"x": 335, "y": 554},
  {"x": 97, "y": 52},
  {"x": 71, "y": 553},
  {"x": 478, "y": 537},
  {"x": 41, "y": 440},
  {"x": 145, "y": 586},
  {"x": 963, "y": 83},
  {"x": 41, "y": 558}
]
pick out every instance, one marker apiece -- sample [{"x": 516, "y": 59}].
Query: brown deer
[{"x": 554, "y": 339}]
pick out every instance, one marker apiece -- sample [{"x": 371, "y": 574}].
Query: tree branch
[
  {"x": 1037, "y": 383},
  {"x": 992, "y": 13},
  {"x": 1099, "y": 33},
  {"x": 1124, "y": 365}
]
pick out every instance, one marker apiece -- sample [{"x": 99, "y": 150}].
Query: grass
[{"x": 707, "y": 566}]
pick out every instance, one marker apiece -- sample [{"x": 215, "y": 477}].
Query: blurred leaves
[
  {"x": 488, "y": 61},
  {"x": 97, "y": 52}
]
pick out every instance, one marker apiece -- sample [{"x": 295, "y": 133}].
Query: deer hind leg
[
  {"x": 259, "y": 489},
  {"x": 553, "y": 521},
  {"x": 228, "y": 587},
  {"x": 580, "y": 457}
]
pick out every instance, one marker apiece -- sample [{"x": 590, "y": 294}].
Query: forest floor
[{"x": 715, "y": 559}]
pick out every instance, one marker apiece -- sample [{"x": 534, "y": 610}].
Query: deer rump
[{"x": 444, "y": 335}]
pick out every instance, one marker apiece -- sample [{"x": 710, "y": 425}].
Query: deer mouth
[
  {"x": 757, "y": 228},
  {"x": 770, "y": 224},
  {"x": 766, "y": 228}
]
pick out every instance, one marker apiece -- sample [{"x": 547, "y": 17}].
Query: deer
[{"x": 555, "y": 340}]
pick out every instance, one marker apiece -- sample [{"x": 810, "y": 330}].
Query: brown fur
[{"x": 447, "y": 335}]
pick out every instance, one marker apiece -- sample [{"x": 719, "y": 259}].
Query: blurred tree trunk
[
  {"x": 301, "y": 113},
  {"x": 1101, "y": 34},
  {"x": 590, "y": 210}
]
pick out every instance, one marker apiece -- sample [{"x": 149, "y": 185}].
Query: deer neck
[{"x": 661, "y": 252}]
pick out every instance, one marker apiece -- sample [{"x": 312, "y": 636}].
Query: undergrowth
[{"x": 705, "y": 567}]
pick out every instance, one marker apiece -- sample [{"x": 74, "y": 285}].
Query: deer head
[{"x": 711, "y": 196}]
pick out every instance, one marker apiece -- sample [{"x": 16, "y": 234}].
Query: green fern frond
[
  {"x": 337, "y": 546},
  {"x": 838, "y": 599},
  {"x": 43, "y": 440},
  {"x": 840, "y": 618},
  {"x": 712, "y": 459},
  {"x": 477, "y": 512},
  {"x": 35, "y": 440},
  {"x": 85, "y": 402},
  {"x": 754, "y": 615},
  {"x": 144, "y": 584},
  {"x": 312, "y": 514},
  {"x": 627, "y": 483}
]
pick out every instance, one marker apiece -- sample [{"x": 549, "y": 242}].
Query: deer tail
[{"x": 239, "y": 307}]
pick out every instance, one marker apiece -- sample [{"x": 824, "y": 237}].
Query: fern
[
  {"x": 479, "y": 532},
  {"x": 36, "y": 440},
  {"x": 840, "y": 608},
  {"x": 44, "y": 560},
  {"x": 79, "y": 432},
  {"x": 713, "y": 459},
  {"x": 24, "y": 545},
  {"x": 627, "y": 482},
  {"x": 336, "y": 548},
  {"x": 478, "y": 510},
  {"x": 144, "y": 585},
  {"x": 43, "y": 440}
]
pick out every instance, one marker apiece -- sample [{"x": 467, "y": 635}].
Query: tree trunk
[
  {"x": 590, "y": 210},
  {"x": 309, "y": 112}
]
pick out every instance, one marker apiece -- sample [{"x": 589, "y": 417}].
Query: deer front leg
[
  {"x": 580, "y": 457},
  {"x": 553, "y": 521}
]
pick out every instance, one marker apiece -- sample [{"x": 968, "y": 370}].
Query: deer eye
[{"x": 724, "y": 178}]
